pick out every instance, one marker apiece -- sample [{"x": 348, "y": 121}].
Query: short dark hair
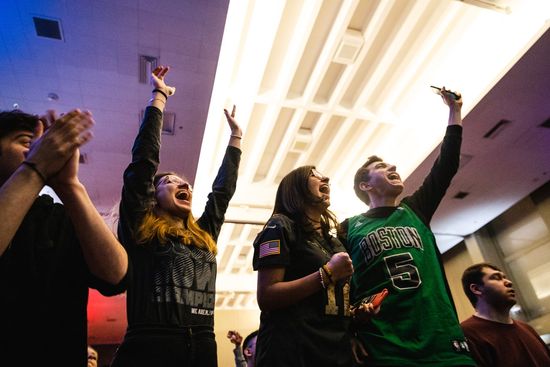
[
  {"x": 474, "y": 275},
  {"x": 248, "y": 338},
  {"x": 16, "y": 120},
  {"x": 362, "y": 175}
]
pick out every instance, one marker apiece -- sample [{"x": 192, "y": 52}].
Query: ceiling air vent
[
  {"x": 301, "y": 141},
  {"x": 146, "y": 66},
  {"x": 49, "y": 28},
  {"x": 168, "y": 122},
  {"x": 497, "y": 129},
  {"x": 349, "y": 47}
]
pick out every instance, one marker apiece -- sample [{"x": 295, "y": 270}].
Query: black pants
[{"x": 192, "y": 347}]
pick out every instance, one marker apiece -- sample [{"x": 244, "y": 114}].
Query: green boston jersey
[{"x": 417, "y": 324}]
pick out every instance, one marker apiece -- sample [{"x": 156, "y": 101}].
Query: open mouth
[
  {"x": 182, "y": 195},
  {"x": 324, "y": 189},
  {"x": 394, "y": 176}
]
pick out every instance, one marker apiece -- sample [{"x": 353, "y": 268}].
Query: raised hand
[
  {"x": 454, "y": 101},
  {"x": 54, "y": 147},
  {"x": 450, "y": 97},
  {"x": 67, "y": 175},
  {"x": 157, "y": 80},
  {"x": 233, "y": 124},
  {"x": 234, "y": 337}
]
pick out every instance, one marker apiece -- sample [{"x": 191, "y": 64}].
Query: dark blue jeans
[{"x": 194, "y": 347}]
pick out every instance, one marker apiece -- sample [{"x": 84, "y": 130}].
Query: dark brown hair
[
  {"x": 293, "y": 197},
  {"x": 362, "y": 175}
]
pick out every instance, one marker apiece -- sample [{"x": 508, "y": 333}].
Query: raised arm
[
  {"x": 427, "y": 198},
  {"x": 225, "y": 184},
  {"x": 138, "y": 191},
  {"x": 104, "y": 255}
]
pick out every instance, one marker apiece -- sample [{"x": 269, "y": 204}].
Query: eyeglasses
[
  {"x": 318, "y": 175},
  {"x": 169, "y": 179}
]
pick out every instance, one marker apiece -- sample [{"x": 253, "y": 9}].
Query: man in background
[
  {"x": 495, "y": 339},
  {"x": 92, "y": 357},
  {"x": 50, "y": 253}
]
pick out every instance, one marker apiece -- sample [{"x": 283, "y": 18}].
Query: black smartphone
[{"x": 437, "y": 90}]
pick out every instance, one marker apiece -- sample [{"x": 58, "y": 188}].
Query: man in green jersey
[{"x": 392, "y": 246}]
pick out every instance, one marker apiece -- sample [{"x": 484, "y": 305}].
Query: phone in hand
[
  {"x": 437, "y": 90},
  {"x": 376, "y": 299}
]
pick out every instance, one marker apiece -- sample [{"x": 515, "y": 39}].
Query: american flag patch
[{"x": 270, "y": 248}]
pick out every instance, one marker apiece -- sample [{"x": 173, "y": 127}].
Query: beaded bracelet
[
  {"x": 322, "y": 280},
  {"x": 32, "y": 166}
]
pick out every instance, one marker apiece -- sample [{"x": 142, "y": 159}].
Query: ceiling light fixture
[{"x": 496, "y": 5}]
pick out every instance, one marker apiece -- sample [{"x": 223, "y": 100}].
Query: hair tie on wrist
[
  {"x": 236, "y": 136},
  {"x": 32, "y": 166},
  {"x": 161, "y": 92}
]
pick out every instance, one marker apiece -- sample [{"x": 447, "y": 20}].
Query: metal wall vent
[
  {"x": 83, "y": 159},
  {"x": 497, "y": 129},
  {"x": 146, "y": 66},
  {"x": 49, "y": 28},
  {"x": 168, "y": 122},
  {"x": 461, "y": 195}
]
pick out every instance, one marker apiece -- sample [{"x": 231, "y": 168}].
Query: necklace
[{"x": 315, "y": 241}]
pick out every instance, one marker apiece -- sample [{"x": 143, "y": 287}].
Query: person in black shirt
[
  {"x": 50, "y": 253},
  {"x": 303, "y": 273},
  {"x": 172, "y": 273}
]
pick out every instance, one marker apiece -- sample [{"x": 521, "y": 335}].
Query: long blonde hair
[{"x": 163, "y": 229}]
